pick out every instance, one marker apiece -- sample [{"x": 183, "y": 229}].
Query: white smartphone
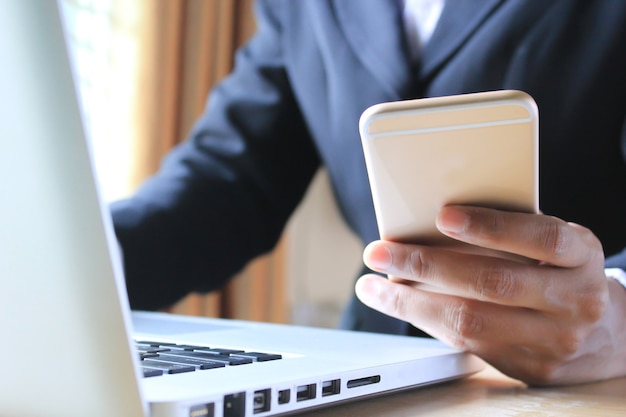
[{"x": 476, "y": 149}]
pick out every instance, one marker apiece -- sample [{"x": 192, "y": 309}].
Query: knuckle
[
  {"x": 397, "y": 304},
  {"x": 569, "y": 343},
  {"x": 497, "y": 283},
  {"x": 555, "y": 240},
  {"x": 464, "y": 321},
  {"x": 593, "y": 247},
  {"x": 491, "y": 227},
  {"x": 588, "y": 303},
  {"x": 497, "y": 224},
  {"x": 587, "y": 236},
  {"x": 418, "y": 264},
  {"x": 593, "y": 304}
]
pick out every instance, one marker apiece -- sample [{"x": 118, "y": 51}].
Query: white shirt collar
[{"x": 420, "y": 19}]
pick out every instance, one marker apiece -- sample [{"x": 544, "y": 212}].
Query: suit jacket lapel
[
  {"x": 374, "y": 31},
  {"x": 459, "y": 20}
]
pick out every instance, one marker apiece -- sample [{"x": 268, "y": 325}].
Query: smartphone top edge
[{"x": 497, "y": 96}]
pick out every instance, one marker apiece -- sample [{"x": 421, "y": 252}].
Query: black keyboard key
[
  {"x": 154, "y": 344},
  {"x": 148, "y": 372},
  {"x": 258, "y": 356},
  {"x": 218, "y": 351},
  {"x": 150, "y": 349},
  {"x": 199, "y": 363},
  {"x": 228, "y": 360},
  {"x": 185, "y": 347},
  {"x": 168, "y": 368},
  {"x": 231, "y": 360}
]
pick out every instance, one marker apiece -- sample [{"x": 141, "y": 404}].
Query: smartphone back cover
[{"x": 474, "y": 149}]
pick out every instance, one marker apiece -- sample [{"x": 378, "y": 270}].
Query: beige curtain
[{"x": 186, "y": 46}]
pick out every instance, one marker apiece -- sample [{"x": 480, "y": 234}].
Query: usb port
[
  {"x": 305, "y": 392},
  {"x": 284, "y": 396},
  {"x": 202, "y": 410},
  {"x": 331, "y": 387},
  {"x": 261, "y": 401}
]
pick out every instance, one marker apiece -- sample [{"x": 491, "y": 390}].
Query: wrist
[{"x": 617, "y": 306}]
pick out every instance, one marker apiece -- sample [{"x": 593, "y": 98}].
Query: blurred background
[{"x": 144, "y": 70}]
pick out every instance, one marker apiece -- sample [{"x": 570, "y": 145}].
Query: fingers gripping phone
[{"x": 476, "y": 149}]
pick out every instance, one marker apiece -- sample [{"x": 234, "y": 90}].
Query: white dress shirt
[{"x": 420, "y": 19}]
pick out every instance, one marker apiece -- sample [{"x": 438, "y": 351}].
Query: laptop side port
[
  {"x": 331, "y": 387},
  {"x": 235, "y": 405},
  {"x": 284, "y": 396},
  {"x": 353, "y": 383},
  {"x": 306, "y": 392},
  {"x": 202, "y": 410},
  {"x": 261, "y": 401}
]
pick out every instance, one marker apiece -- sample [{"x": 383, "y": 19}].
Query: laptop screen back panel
[{"x": 64, "y": 341}]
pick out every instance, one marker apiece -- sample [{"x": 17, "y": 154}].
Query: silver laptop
[{"x": 70, "y": 344}]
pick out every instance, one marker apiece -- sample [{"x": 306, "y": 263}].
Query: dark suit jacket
[{"x": 293, "y": 102}]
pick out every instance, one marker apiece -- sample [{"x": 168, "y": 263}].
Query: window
[{"x": 102, "y": 37}]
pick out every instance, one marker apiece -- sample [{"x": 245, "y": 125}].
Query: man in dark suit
[{"x": 292, "y": 104}]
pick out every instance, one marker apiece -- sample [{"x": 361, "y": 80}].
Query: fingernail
[
  {"x": 377, "y": 256},
  {"x": 451, "y": 220}
]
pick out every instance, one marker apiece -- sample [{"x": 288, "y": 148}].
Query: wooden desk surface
[{"x": 489, "y": 393}]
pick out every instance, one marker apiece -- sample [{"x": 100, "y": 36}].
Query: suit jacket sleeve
[{"x": 224, "y": 195}]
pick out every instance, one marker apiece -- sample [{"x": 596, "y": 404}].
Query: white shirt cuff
[{"x": 617, "y": 274}]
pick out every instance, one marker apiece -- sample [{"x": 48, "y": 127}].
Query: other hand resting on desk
[{"x": 558, "y": 321}]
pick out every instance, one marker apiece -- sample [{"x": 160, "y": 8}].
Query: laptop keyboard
[{"x": 158, "y": 358}]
